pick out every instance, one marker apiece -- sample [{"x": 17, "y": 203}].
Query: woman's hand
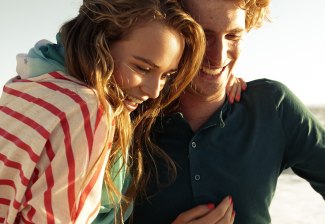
[
  {"x": 234, "y": 88},
  {"x": 209, "y": 214}
]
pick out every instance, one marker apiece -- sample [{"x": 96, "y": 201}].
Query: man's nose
[{"x": 217, "y": 53}]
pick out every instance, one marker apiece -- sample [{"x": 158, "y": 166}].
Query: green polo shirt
[{"x": 240, "y": 151}]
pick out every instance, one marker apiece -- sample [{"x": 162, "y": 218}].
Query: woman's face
[{"x": 144, "y": 60}]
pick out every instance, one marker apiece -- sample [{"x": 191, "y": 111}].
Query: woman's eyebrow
[{"x": 145, "y": 60}]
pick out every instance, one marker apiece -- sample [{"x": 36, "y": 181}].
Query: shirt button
[
  {"x": 193, "y": 145},
  {"x": 197, "y": 177}
]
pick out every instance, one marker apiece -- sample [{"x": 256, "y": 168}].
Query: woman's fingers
[
  {"x": 208, "y": 214},
  {"x": 229, "y": 217},
  {"x": 234, "y": 88},
  {"x": 221, "y": 214},
  {"x": 193, "y": 214},
  {"x": 242, "y": 86}
]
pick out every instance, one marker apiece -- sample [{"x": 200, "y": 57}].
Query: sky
[{"x": 289, "y": 49}]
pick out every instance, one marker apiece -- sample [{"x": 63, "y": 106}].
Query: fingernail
[
  {"x": 230, "y": 199},
  {"x": 210, "y": 206}
]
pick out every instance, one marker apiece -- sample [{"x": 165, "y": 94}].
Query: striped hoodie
[{"x": 52, "y": 133}]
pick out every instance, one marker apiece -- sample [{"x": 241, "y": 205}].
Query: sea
[{"x": 295, "y": 201}]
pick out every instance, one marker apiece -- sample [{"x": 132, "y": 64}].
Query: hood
[{"x": 43, "y": 58}]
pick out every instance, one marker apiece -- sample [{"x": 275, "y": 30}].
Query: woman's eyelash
[{"x": 143, "y": 69}]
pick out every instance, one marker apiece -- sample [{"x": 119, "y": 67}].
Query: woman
[{"x": 65, "y": 118}]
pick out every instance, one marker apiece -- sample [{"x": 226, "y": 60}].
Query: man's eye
[{"x": 234, "y": 37}]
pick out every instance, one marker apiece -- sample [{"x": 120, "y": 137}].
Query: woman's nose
[{"x": 152, "y": 86}]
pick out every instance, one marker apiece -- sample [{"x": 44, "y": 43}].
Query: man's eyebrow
[
  {"x": 235, "y": 30},
  {"x": 149, "y": 62}
]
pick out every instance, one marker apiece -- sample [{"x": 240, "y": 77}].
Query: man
[{"x": 223, "y": 149}]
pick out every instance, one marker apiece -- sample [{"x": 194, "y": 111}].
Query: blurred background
[{"x": 289, "y": 49}]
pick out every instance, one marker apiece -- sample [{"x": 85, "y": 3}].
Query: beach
[{"x": 295, "y": 202}]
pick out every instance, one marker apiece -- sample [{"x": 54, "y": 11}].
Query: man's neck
[{"x": 197, "y": 109}]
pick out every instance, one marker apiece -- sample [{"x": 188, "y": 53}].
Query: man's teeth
[{"x": 211, "y": 71}]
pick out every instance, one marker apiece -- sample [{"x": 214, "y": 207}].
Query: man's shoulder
[
  {"x": 266, "y": 86},
  {"x": 265, "y": 83},
  {"x": 267, "y": 92}
]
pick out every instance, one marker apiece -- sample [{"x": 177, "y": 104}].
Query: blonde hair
[
  {"x": 257, "y": 12},
  {"x": 87, "y": 38}
]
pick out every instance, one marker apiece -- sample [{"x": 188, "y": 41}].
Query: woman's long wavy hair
[
  {"x": 143, "y": 163},
  {"x": 87, "y": 38}
]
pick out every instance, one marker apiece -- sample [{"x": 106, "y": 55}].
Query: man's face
[{"x": 224, "y": 25}]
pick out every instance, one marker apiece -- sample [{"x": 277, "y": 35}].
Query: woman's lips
[{"x": 132, "y": 103}]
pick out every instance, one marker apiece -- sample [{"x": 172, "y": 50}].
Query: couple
[
  {"x": 224, "y": 153},
  {"x": 65, "y": 124}
]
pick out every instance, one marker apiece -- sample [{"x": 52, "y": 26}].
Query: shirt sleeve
[
  {"x": 52, "y": 154},
  {"x": 305, "y": 145}
]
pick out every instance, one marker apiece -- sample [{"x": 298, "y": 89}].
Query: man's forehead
[{"x": 198, "y": 5}]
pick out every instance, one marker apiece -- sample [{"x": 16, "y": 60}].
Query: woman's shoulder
[
  {"x": 54, "y": 88},
  {"x": 52, "y": 97}
]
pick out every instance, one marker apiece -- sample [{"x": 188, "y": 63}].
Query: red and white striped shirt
[{"x": 52, "y": 132}]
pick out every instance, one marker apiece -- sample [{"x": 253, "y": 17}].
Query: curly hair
[{"x": 257, "y": 11}]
